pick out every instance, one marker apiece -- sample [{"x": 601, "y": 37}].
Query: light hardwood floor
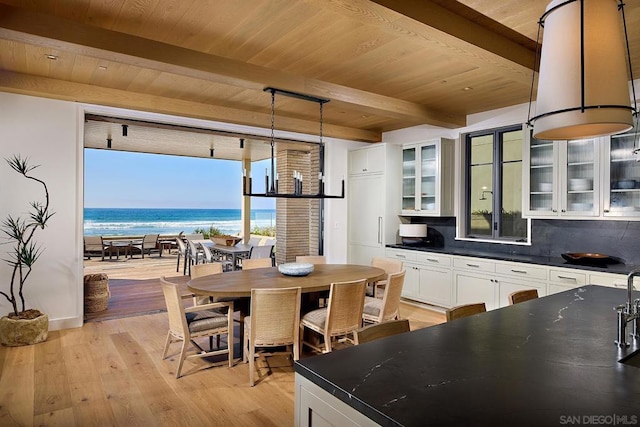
[{"x": 111, "y": 373}]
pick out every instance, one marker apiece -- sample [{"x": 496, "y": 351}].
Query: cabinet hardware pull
[
  {"x": 606, "y": 211},
  {"x": 519, "y": 271},
  {"x": 568, "y": 278},
  {"x": 380, "y": 229},
  {"x": 473, "y": 265},
  {"x": 554, "y": 210},
  {"x": 400, "y": 256},
  {"x": 432, "y": 260},
  {"x": 563, "y": 210}
]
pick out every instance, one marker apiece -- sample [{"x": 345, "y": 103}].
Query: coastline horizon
[{"x": 140, "y": 221}]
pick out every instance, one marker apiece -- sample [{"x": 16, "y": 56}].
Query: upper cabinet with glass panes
[
  {"x": 562, "y": 178},
  {"x": 622, "y": 176},
  {"x": 427, "y": 178},
  {"x": 597, "y": 178}
]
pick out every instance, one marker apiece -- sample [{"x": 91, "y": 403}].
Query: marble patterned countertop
[{"x": 534, "y": 363}]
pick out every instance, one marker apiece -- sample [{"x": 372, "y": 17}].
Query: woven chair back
[
  {"x": 175, "y": 309},
  {"x": 207, "y": 269},
  {"x": 391, "y": 298},
  {"x": 344, "y": 310},
  {"x": 275, "y": 316},
  {"x": 249, "y": 264},
  {"x": 388, "y": 265}
]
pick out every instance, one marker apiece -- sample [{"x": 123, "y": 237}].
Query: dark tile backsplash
[{"x": 619, "y": 239}]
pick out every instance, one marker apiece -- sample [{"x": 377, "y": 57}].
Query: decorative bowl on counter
[
  {"x": 296, "y": 268},
  {"x": 588, "y": 258}
]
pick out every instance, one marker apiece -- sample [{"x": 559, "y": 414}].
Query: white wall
[{"x": 47, "y": 132}]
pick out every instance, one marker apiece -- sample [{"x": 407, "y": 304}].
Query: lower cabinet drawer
[
  {"x": 567, "y": 277},
  {"x": 475, "y": 264},
  {"x": 436, "y": 260},
  {"x": 401, "y": 255},
  {"x": 522, "y": 271}
]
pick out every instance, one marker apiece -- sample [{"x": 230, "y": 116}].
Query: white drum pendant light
[{"x": 583, "y": 86}]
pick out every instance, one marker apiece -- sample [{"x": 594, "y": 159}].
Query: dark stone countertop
[
  {"x": 534, "y": 363},
  {"x": 618, "y": 268}
]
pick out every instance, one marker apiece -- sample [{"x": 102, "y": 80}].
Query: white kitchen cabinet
[
  {"x": 621, "y": 177},
  {"x": 608, "y": 279},
  {"x": 411, "y": 285},
  {"x": 562, "y": 178},
  {"x": 427, "y": 178},
  {"x": 491, "y": 282},
  {"x": 373, "y": 202},
  {"x": 563, "y": 279},
  {"x": 428, "y": 276},
  {"x": 367, "y": 160},
  {"x": 471, "y": 288}
]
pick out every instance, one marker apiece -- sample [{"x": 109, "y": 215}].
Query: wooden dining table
[{"x": 239, "y": 283}]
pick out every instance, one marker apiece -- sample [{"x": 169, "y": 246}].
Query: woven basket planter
[
  {"x": 17, "y": 332},
  {"x": 96, "y": 292}
]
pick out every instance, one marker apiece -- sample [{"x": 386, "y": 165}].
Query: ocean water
[{"x": 138, "y": 221}]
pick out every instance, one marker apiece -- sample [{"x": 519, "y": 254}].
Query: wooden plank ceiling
[{"x": 384, "y": 64}]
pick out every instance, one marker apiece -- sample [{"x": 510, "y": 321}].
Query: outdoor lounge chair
[
  {"x": 149, "y": 244},
  {"x": 94, "y": 245}
]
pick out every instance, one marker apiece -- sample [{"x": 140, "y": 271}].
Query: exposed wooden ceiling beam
[
  {"x": 77, "y": 92},
  {"x": 22, "y": 25},
  {"x": 464, "y": 23}
]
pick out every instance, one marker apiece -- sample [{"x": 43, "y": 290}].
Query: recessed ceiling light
[
  {"x": 51, "y": 57},
  {"x": 467, "y": 88},
  {"x": 102, "y": 67}
]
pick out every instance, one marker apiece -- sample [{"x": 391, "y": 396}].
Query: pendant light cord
[{"x": 636, "y": 149}]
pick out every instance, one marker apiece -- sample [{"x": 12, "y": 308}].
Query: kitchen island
[{"x": 549, "y": 361}]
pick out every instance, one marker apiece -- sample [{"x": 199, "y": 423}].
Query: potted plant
[{"x": 23, "y": 326}]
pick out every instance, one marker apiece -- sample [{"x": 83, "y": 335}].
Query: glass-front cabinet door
[
  {"x": 580, "y": 186},
  {"x": 543, "y": 178},
  {"x": 622, "y": 177},
  {"x": 563, "y": 178},
  {"x": 427, "y": 178},
  {"x": 409, "y": 159}
]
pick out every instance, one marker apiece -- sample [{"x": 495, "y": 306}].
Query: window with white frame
[{"x": 493, "y": 185}]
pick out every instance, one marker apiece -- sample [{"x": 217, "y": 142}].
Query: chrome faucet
[{"x": 629, "y": 312}]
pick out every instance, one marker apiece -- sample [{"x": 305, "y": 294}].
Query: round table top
[{"x": 239, "y": 283}]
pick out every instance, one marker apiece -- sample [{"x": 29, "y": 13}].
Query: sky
[{"x": 118, "y": 179}]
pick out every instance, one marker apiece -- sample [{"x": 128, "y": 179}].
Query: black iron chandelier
[{"x": 299, "y": 182}]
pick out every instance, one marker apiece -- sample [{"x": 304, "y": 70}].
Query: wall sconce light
[
  {"x": 241, "y": 142},
  {"x": 125, "y": 130},
  {"x": 211, "y": 152},
  {"x": 108, "y": 142},
  {"x": 583, "y": 87}
]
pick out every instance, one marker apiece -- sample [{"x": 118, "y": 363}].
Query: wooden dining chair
[
  {"x": 465, "y": 310},
  {"x": 274, "y": 322},
  {"x": 378, "y": 310},
  {"x": 380, "y": 330},
  {"x": 312, "y": 259},
  {"x": 188, "y": 324},
  {"x": 248, "y": 264},
  {"x": 389, "y": 266},
  {"x": 340, "y": 318},
  {"x": 522, "y": 296}
]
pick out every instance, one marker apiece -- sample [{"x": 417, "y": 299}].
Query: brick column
[{"x": 297, "y": 224}]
